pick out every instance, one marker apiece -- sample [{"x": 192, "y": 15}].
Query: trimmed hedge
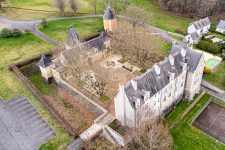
[
  {"x": 10, "y": 33},
  {"x": 209, "y": 46}
]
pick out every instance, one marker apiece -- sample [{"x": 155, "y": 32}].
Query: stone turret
[
  {"x": 46, "y": 65},
  {"x": 72, "y": 38},
  {"x": 109, "y": 19}
]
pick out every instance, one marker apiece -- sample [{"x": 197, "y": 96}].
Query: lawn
[
  {"x": 220, "y": 36},
  {"x": 38, "y": 9},
  {"x": 160, "y": 19},
  {"x": 16, "y": 49},
  {"x": 59, "y": 29},
  {"x": 217, "y": 78},
  {"x": 186, "y": 136}
]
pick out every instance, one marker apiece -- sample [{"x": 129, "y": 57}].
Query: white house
[
  {"x": 161, "y": 88},
  {"x": 197, "y": 29},
  {"x": 221, "y": 27}
]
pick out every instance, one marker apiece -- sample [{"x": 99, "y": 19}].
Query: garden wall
[{"x": 38, "y": 94}]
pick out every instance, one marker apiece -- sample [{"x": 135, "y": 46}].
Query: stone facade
[{"x": 161, "y": 88}]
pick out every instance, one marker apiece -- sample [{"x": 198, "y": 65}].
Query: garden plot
[
  {"x": 21, "y": 127},
  {"x": 212, "y": 121}
]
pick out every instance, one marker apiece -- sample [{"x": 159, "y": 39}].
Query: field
[
  {"x": 217, "y": 78},
  {"x": 59, "y": 29},
  {"x": 17, "y": 49},
  {"x": 158, "y": 18},
  {"x": 187, "y": 136}
]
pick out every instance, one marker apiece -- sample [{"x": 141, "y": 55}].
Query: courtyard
[
  {"x": 211, "y": 121},
  {"x": 112, "y": 73}
]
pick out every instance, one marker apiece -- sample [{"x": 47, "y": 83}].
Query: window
[
  {"x": 164, "y": 99},
  {"x": 154, "y": 103},
  {"x": 182, "y": 84},
  {"x": 170, "y": 94}
]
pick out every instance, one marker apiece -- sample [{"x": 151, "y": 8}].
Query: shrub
[
  {"x": 207, "y": 70},
  {"x": 122, "y": 60},
  {"x": 27, "y": 31},
  {"x": 6, "y": 33},
  {"x": 180, "y": 31},
  {"x": 44, "y": 23},
  {"x": 209, "y": 46},
  {"x": 16, "y": 32}
]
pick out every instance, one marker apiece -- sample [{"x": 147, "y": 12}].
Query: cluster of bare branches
[
  {"x": 61, "y": 4},
  {"x": 77, "y": 60},
  {"x": 192, "y": 8},
  {"x": 151, "y": 136},
  {"x": 136, "y": 45}
]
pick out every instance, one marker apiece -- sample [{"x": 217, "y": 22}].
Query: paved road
[
  {"x": 41, "y": 35},
  {"x": 210, "y": 89},
  {"x": 32, "y": 25}
]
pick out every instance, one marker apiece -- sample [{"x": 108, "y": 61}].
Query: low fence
[{"x": 67, "y": 127}]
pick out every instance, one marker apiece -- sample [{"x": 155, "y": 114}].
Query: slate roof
[
  {"x": 154, "y": 83},
  {"x": 109, "y": 14},
  {"x": 44, "y": 61},
  {"x": 194, "y": 36},
  {"x": 221, "y": 24},
  {"x": 201, "y": 23},
  {"x": 72, "y": 37},
  {"x": 97, "y": 43}
]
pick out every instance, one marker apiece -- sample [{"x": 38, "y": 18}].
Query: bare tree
[
  {"x": 101, "y": 80},
  {"x": 77, "y": 60},
  {"x": 151, "y": 136},
  {"x": 1, "y": 1},
  {"x": 137, "y": 16},
  {"x": 60, "y": 4},
  {"x": 136, "y": 45},
  {"x": 94, "y": 4},
  {"x": 74, "y": 5}
]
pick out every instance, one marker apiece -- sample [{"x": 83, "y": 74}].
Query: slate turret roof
[
  {"x": 153, "y": 82},
  {"x": 109, "y": 14},
  {"x": 72, "y": 37},
  {"x": 44, "y": 61},
  {"x": 97, "y": 43},
  {"x": 201, "y": 23},
  {"x": 221, "y": 24}
]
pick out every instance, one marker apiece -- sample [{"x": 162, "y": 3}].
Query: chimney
[
  {"x": 157, "y": 69},
  {"x": 134, "y": 84},
  {"x": 171, "y": 59}
]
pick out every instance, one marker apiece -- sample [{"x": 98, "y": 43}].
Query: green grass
[
  {"x": 217, "y": 78},
  {"x": 186, "y": 136},
  {"x": 176, "y": 37},
  {"x": 59, "y": 29},
  {"x": 162, "y": 19},
  {"x": 220, "y": 36},
  {"x": 16, "y": 49},
  {"x": 159, "y": 18},
  {"x": 165, "y": 48}
]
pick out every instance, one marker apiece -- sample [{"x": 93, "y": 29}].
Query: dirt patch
[
  {"x": 212, "y": 121},
  {"x": 78, "y": 116}
]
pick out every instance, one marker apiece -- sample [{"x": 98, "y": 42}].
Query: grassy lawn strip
[
  {"x": 16, "y": 49},
  {"x": 188, "y": 137},
  {"x": 220, "y": 36},
  {"x": 59, "y": 29},
  {"x": 176, "y": 37},
  {"x": 217, "y": 78}
]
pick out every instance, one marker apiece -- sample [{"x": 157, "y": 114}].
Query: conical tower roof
[
  {"x": 44, "y": 61},
  {"x": 72, "y": 37},
  {"x": 109, "y": 14}
]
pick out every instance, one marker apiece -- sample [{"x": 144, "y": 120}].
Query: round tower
[{"x": 109, "y": 19}]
